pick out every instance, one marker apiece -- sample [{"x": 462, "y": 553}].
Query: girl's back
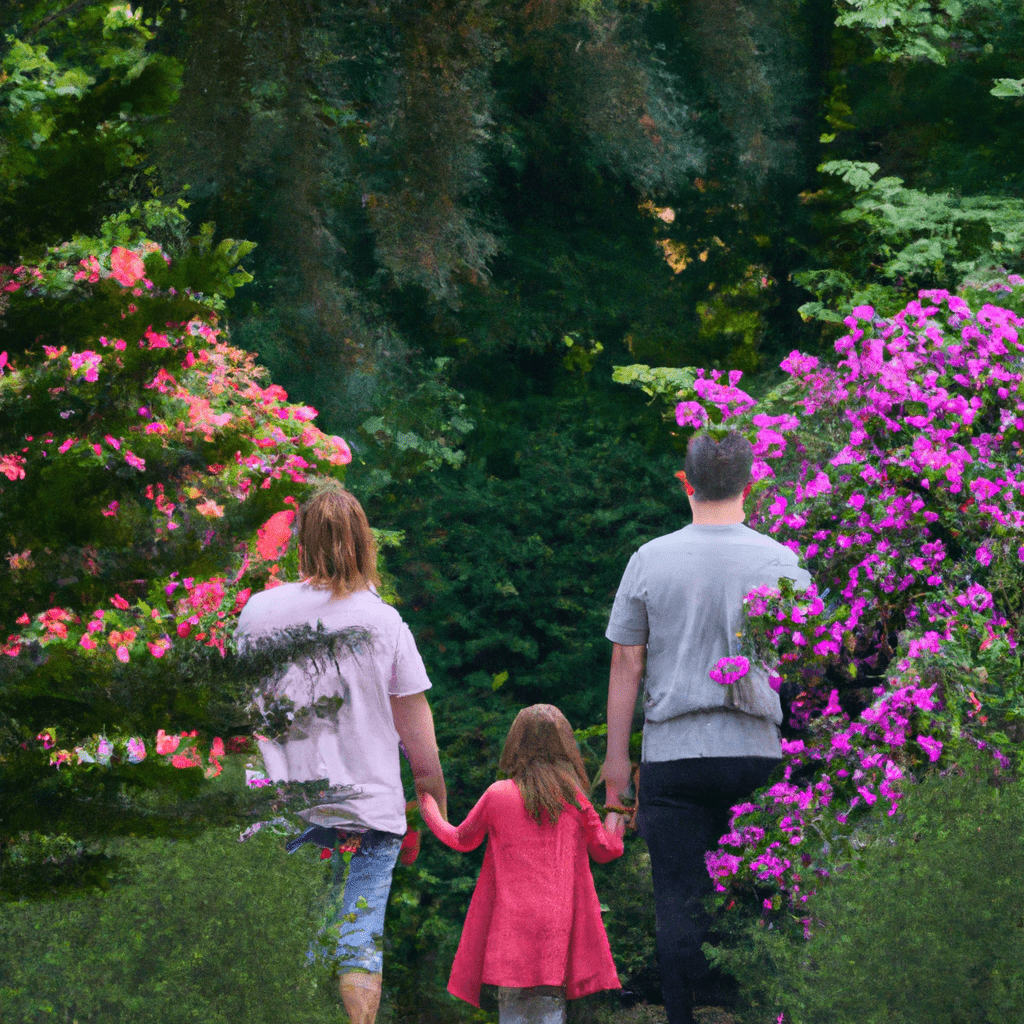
[{"x": 534, "y": 918}]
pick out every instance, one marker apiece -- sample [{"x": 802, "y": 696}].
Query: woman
[{"x": 381, "y": 682}]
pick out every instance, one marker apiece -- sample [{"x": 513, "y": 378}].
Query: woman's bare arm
[{"x": 415, "y": 725}]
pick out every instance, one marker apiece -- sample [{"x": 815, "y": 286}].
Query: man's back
[{"x": 682, "y": 596}]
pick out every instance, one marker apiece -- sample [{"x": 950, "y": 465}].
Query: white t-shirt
[
  {"x": 356, "y": 749},
  {"x": 682, "y": 596}
]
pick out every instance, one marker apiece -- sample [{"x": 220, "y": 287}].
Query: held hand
[
  {"x": 616, "y": 774},
  {"x": 615, "y": 824}
]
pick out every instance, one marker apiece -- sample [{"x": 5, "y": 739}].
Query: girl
[{"x": 534, "y": 924}]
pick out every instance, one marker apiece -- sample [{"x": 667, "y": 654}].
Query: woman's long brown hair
[
  {"x": 543, "y": 759},
  {"x": 337, "y": 551}
]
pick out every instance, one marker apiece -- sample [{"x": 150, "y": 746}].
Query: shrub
[
  {"x": 923, "y": 927},
  {"x": 206, "y": 930},
  {"x": 148, "y": 479}
]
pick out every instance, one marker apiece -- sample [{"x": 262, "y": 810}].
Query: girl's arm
[
  {"x": 467, "y": 836},
  {"x": 603, "y": 844}
]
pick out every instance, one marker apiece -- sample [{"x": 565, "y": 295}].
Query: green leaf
[
  {"x": 855, "y": 173},
  {"x": 1006, "y": 88},
  {"x": 659, "y": 380},
  {"x": 499, "y": 680}
]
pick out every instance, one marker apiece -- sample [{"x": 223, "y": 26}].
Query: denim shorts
[{"x": 352, "y": 928}]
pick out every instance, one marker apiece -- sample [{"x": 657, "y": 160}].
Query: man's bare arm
[
  {"x": 415, "y": 725},
  {"x": 623, "y": 685}
]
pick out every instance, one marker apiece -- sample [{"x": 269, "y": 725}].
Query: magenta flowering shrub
[
  {"x": 897, "y": 476},
  {"x": 149, "y": 476}
]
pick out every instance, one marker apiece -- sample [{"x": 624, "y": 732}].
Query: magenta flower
[
  {"x": 691, "y": 414},
  {"x": 931, "y": 746},
  {"x": 729, "y": 670}
]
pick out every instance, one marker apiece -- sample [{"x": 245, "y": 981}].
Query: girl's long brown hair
[{"x": 543, "y": 759}]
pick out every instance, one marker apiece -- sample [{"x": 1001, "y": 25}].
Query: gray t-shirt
[{"x": 682, "y": 596}]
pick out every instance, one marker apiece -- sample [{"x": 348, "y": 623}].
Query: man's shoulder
[
  {"x": 733, "y": 534},
  {"x": 702, "y": 543}
]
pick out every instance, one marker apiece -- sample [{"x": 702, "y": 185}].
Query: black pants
[{"x": 684, "y": 810}]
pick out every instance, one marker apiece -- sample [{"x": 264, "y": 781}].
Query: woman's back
[{"x": 354, "y": 745}]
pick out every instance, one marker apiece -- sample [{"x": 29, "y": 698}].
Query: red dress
[{"x": 534, "y": 918}]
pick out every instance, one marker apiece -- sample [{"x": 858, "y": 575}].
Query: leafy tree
[
  {"x": 149, "y": 480},
  {"x": 79, "y": 85}
]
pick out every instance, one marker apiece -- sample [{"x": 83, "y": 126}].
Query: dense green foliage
[
  {"x": 923, "y": 926},
  {"x": 206, "y": 929},
  {"x": 466, "y": 212},
  {"x": 509, "y": 567}
]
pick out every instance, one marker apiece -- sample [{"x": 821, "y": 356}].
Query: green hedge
[
  {"x": 924, "y": 927},
  {"x": 208, "y": 930}
]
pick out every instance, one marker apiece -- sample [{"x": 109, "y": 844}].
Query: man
[{"x": 679, "y": 610}]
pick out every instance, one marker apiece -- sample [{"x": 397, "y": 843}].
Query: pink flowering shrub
[
  {"x": 149, "y": 477},
  {"x": 897, "y": 475}
]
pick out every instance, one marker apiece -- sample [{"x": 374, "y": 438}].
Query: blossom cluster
[
  {"x": 149, "y": 479},
  {"x": 105, "y": 751},
  {"x": 897, "y": 476}
]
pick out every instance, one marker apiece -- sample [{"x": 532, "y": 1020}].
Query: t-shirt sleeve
[
  {"x": 408, "y": 673},
  {"x": 627, "y": 624},
  {"x": 793, "y": 570}
]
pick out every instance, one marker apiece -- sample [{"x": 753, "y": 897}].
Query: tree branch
[{"x": 65, "y": 12}]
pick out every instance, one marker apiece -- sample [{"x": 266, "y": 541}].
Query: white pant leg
[{"x": 543, "y": 1004}]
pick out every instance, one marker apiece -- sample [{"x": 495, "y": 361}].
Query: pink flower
[
  {"x": 797, "y": 364},
  {"x": 119, "y": 602},
  {"x": 136, "y": 750},
  {"x": 729, "y": 670},
  {"x": 111, "y": 509},
  {"x": 122, "y": 654},
  {"x": 166, "y": 744},
  {"x": 87, "y": 642},
  {"x": 134, "y": 461},
  {"x": 210, "y": 508},
  {"x": 274, "y": 534},
  {"x": 159, "y": 647},
  {"x": 340, "y": 454},
  {"x": 126, "y": 267},
  {"x": 931, "y": 746},
  {"x": 690, "y": 414},
  {"x": 188, "y": 758},
  {"x": 88, "y": 360},
  {"x": 11, "y": 467}
]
